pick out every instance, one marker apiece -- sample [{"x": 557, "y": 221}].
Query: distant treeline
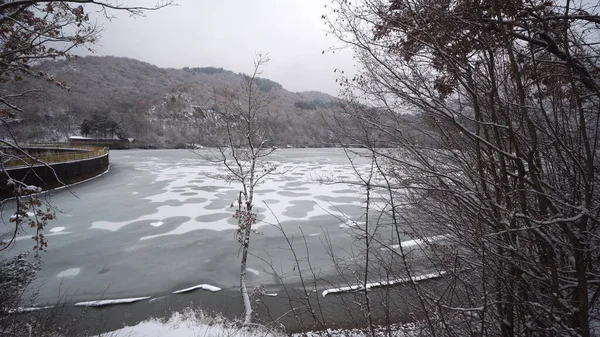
[
  {"x": 206, "y": 70},
  {"x": 266, "y": 85},
  {"x": 263, "y": 84},
  {"x": 315, "y": 103}
]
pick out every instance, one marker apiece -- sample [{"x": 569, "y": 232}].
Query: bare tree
[
  {"x": 243, "y": 142},
  {"x": 502, "y": 161},
  {"x": 31, "y": 32}
]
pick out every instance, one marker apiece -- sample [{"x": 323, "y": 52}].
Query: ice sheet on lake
[
  {"x": 167, "y": 188},
  {"x": 100, "y": 303},
  {"x": 191, "y": 211},
  {"x": 294, "y": 191},
  {"x": 200, "y": 286},
  {"x": 29, "y": 237}
]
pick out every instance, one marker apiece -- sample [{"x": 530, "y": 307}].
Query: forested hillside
[{"x": 156, "y": 106}]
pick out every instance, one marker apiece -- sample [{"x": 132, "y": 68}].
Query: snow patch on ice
[
  {"x": 383, "y": 283},
  {"x": 58, "y": 233},
  {"x": 69, "y": 273},
  {"x": 418, "y": 242},
  {"x": 253, "y": 271},
  {"x": 21, "y": 310},
  {"x": 57, "y": 229},
  {"x": 163, "y": 212},
  {"x": 200, "y": 286},
  {"x": 156, "y": 299},
  {"x": 181, "y": 183},
  {"x": 101, "y": 303},
  {"x": 29, "y": 215},
  {"x": 348, "y": 224},
  {"x": 192, "y": 225}
]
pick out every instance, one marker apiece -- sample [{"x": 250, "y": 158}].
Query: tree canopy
[{"x": 509, "y": 95}]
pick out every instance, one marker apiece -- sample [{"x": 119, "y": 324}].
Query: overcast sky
[{"x": 228, "y": 33}]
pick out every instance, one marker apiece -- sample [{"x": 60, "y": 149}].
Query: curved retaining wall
[{"x": 56, "y": 174}]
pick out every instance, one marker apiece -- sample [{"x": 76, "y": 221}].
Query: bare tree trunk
[{"x": 243, "y": 288}]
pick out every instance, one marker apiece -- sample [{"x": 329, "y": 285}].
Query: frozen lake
[{"x": 157, "y": 222}]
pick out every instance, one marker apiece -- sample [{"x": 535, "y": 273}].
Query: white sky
[{"x": 228, "y": 33}]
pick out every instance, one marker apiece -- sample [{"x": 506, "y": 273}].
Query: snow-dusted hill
[{"x": 159, "y": 107}]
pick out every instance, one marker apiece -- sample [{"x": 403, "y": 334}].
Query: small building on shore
[{"x": 111, "y": 143}]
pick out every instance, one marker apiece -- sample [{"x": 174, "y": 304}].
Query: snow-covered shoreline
[{"x": 194, "y": 322}]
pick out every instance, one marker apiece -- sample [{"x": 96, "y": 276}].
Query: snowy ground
[
  {"x": 159, "y": 223},
  {"x": 191, "y": 323}
]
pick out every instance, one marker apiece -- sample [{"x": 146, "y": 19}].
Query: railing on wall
[
  {"x": 65, "y": 153},
  {"x": 52, "y": 166}
]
